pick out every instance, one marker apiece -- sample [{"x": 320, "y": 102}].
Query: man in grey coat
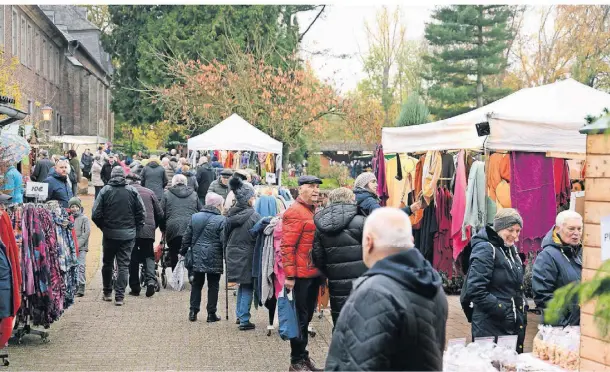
[
  {"x": 154, "y": 177},
  {"x": 42, "y": 167},
  {"x": 221, "y": 185},
  {"x": 143, "y": 251},
  {"x": 118, "y": 211}
]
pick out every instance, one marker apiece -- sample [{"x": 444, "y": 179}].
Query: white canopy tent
[
  {"x": 234, "y": 133},
  {"x": 540, "y": 119}
]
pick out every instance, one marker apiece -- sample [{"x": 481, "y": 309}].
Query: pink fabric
[
  {"x": 459, "y": 207},
  {"x": 379, "y": 170},
  {"x": 278, "y": 267}
]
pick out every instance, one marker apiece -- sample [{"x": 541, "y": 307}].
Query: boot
[
  {"x": 298, "y": 367},
  {"x": 310, "y": 365},
  {"x": 247, "y": 327},
  {"x": 192, "y": 316},
  {"x": 107, "y": 297},
  {"x": 213, "y": 318},
  {"x": 150, "y": 290},
  {"x": 81, "y": 290}
]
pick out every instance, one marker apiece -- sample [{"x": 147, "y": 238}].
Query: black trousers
[
  {"x": 121, "y": 250},
  {"x": 213, "y": 289},
  {"x": 174, "y": 246},
  {"x": 142, "y": 253},
  {"x": 305, "y": 295},
  {"x": 97, "y": 190}
]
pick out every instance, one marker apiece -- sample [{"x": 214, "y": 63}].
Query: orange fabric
[
  {"x": 417, "y": 216},
  {"x": 14, "y": 257},
  {"x": 297, "y": 241},
  {"x": 498, "y": 169},
  {"x": 503, "y": 195}
]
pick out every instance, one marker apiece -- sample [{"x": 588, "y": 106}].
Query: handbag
[
  {"x": 188, "y": 259},
  {"x": 287, "y": 315}
]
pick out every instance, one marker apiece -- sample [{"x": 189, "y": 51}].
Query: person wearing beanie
[
  {"x": 119, "y": 212},
  {"x": 204, "y": 237},
  {"x": 143, "y": 250},
  {"x": 365, "y": 189},
  {"x": 240, "y": 247},
  {"x": 82, "y": 227},
  {"x": 493, "y": 296}
]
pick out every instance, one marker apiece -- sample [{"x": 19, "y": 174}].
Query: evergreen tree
[
  {"x": 468, "y": 45},
  {"x": 414, "y": 111}
]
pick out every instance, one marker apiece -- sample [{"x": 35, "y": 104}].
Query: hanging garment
[
  {"x": 268, "y": 257},
  {"x": 532, "y": 193},
  {"x": 223, "y": 157},
  {"x": 448, "y": 170},
  {"x": 475, "y": 215},
  {"x": 379, "y": 171},
  {"x": 429, "y": 228},
  {"x": 398, "y": 190},
  {"x": 458, "y": 208},
  {"x": 433, "y": 167},
  {"x": 13, "y": 256},
  {"x": 563, "y": 186},
  {"x": 417, "y": 188},
  {"x": 442, "y": 259},
  {"x": 498, "y": 171}
]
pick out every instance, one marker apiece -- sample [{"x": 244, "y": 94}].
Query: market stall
[{"x": 237, "y": 144}]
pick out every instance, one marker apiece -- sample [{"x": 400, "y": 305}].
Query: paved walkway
[{"x": 155, "y": 334}]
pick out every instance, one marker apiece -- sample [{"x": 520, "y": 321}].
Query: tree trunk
[
  {"x": 385, "y": 99},
  {"x": 479, "y": 67}
]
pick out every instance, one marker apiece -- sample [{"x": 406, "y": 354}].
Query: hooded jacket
[
  {"x": 106, "y": 173},
  {"x": 154, "y": 215},
  {"x": 96, "y": 173},
  {"x": 118, "y": 210},
  {"x": 219, "y": 188},
  {"x": 41, "y": 170},
  {"x": 154, "y": 178},
  {"x": 556, "y": 266},
  {"x": 179, "y": 203},
  {"x": 58, "y": 188},
  {"x": 240, "y": 243},
  {"x": 82, "y": 227},
  {"x": 337, "y": 250},
  {"x": 205, "y": 177},
  {"x": 297, "y": 241},
  {"x": 494, "y": 285},
  {"x": 394, "y": 320},
  {"x": 14, "y": 182},
  {"x": 192, "y": 180},
  {"x": 87, "y": 161},
  {"x": 205, "y": 236}
]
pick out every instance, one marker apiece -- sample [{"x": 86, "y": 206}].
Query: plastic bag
[
  {"x": 287, "y": 316},
  {"x": 176, "y": 281}
]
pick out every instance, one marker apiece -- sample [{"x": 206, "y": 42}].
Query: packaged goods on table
[{"x": 559, "y": 346}]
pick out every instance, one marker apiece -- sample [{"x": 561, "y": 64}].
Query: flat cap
[
  {"x": 309, "y": 180},
  {"x": 226, "y": 172}
]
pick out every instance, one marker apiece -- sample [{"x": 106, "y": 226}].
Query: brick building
[{"x": 58, "y": 69}]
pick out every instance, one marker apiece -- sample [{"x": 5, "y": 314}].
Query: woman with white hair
[
  {"x": 170, "y": 171},
  {"x": 96, "y": 173},
  {"x": 178, "y": 204},
  {"x": 559, "y": 264}
]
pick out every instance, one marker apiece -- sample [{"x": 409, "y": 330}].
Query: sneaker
[
  {"x": 134, "y": 293},
  {"x": 81, "y": 291},
  {"x": 213, "y": 318},
  {"x": 310, "y": 365},
  {"x": 107, "y": 297},
  {"x": 237, "y": 322},
  {"x": 118, "y": 302},
  {"x": 192, "y": 316},
  {"x": 150, "y": 290},
  {"x": 298, "y": 367},
  {"x": 247, "y": 327}
]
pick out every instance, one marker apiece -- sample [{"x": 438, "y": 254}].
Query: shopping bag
[
  {"x": 176, "y": 281},
  {"x": 188, "y": 259},
  {"x": 158, "y": 251},
  {"x": 287, "y": 315}
]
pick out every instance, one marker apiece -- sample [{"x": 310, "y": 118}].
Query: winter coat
[
  {"x": 240, "y": 243},
  {"x": 494, "y": 285},
  {"x": 136, "y": 167},
  {"x": 337, "y": 250},
  {"x": 58, "y": 188},
  {"x": 220, "y": 189},
  {"x": 96, "y": 173},
  {"x": 394, "y": 320},
  {"x": 87, "y": 161},
  {"x": 75, "y": 164},
  {"x": 13, "y": 181},
  {"x": 82, "y": 227},
  {"x": 192, "y": 181},
  {"x": 205, "y": 236},
  {"x": 106, "y": 173},
  {"x": 367, "y": 202},
  {"x": 154, "y": 214},
  {"x": 205, "y": 177},
  {"x": 297, "y": 241},
  {"x": 556, "y": 266},
  {"x": 179, "y": 203},
  {"x": 170, "y": 172},
  {"x": 41, "y": 170},
  {"x": 154, "y": 178},
  {"x": 118, "y": 210}
]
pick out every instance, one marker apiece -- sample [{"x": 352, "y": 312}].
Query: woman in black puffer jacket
[{"x": 337, "y": 249}]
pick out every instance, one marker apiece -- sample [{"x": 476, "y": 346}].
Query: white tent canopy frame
[
  {"x": 235, "y": 134},
  {"x": 541, "y": 119}
]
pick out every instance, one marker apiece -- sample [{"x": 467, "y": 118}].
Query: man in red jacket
[{"x": 302, "y": 277}]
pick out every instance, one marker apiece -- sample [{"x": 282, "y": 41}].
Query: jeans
[
  {"x": 174, "y": 246},
  {"x": 121, "y": 250},
  {"x": 82, "y": 263},
  {"x": 244, "y": 301},
  {"x": 213, "y": 289},
  {"x": 305, "y": 296},
  {"x": 142, "y": 254},
  {"x": 97, "y": 190}
]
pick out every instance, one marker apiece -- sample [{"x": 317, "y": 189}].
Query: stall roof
[
  {"x": 540, "y": 119},
  {"x": 234, "y": 133},
  {"x": 79, "y": 140}
]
